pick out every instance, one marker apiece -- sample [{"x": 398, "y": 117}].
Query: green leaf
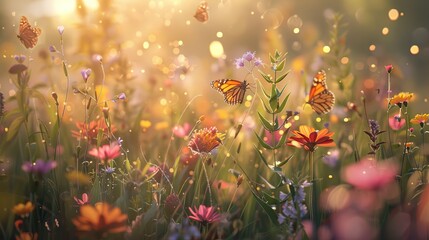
[
  {"x": 285, "y": 161},
  {"x": 277, "y": 55},
  {"x": 267, "y": 96},
  {"x": 282, "y": 141},
  {"x": 261, "y": 141},
  {"x": 281, "y": 66},
  {"x": 14, "y": 128},
  {"x": 267, "y": 109},
  {"x": 270, "y": 200},
  {"x": 279, "y": 79},
  {"x": 266, "y": 76},
  {"x": 66, "y": 73},
  {"x": 266, "y": 124},
  {"x": 267, "y": 208},
  {"x": 262, "y": 157},
  {"x": 274, "y": 99},
  {"x": 283, "y": 104},
  {"x": 272, "y": 60}
]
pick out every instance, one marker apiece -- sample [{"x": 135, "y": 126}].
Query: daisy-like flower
[
  {"x": 106, "y": 153},
  {"x": 396, "y": 122},
  {"x": 23, "y": 209},
  {"x": 205, "y": 140},
  {"x": 204, "y": 214},
  {"x": 82, "y": 201},
  {"x": 97, "y": 222},
  {"x": 369, "y": 174},
  {"x": 401, "y": 98},
  {"x": 420, "y": 119},
  {"x": 39, "y": 167},
  {"x": 310, "y": 139}
]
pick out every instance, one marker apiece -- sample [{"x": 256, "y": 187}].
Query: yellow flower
[
  {"x": 420, "y": 119},
  {"x": 23, "y": 209},
  {"x": 401, "y": 98},
  {"x": 97, "y": 222},
  {"x": 78, "y": 177}
]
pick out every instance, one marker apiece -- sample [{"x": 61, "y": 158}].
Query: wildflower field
[{"x": 223, "y": 119}]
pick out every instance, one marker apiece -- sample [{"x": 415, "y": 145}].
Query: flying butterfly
[
  {"x": 201, "y": 14},
  {"x": 27, "y": 34},
  {"x": 232, "y": 90},
  {"x": 320, "y": 98}
]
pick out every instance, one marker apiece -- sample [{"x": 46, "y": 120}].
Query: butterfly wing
[
  {"x": 320, "y": 98},
  {"x": 233, "y": 90},
  {"x": 201, "y": 14},
  {"x": 27, "y": 34}
]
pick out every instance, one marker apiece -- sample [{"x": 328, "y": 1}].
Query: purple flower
[
  {"x": 60, "y": 29},
  {"x": 52, "y": 49},
  {"x": 20, "y": 58},
  {"x": 249, "y": 56},
  {"x": 183, "y": 231},
  {"x": 39, "y": 167},
  {"x": 332, "y": 158},
  {"x": 86, "y": 73},
  {"x": 109, "y": 170},
  {"x": 258, "y": 62},
  {"x": 122, "y": 96},
  {"x": 239, "y": 62}
]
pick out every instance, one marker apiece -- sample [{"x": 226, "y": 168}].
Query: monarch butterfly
[
  {"x": 320, "y": 98},
  {"x": 27, "y": 34},
  {"x": 232, "y": 90},
  {"x": 201, "y": 14}
]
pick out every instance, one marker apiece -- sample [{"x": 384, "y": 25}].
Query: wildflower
[
  {"x": 310, "y": 139},
  {"x": 373, "y": 135},
  {"x": 389, "y": 68},
  {"x": 172, "y": 204},
  {"x": 53, "y": 49},
  {"x": 158, "y": 172},
  {"x": 205, "y": 140},
  {"x": 90, "y": 131},
  {"x": 39, "y": 167},
  {"x": 239, "y": 63},
  {"x": 204, "y": 214},
  {"x": 258, "y": 62},
  {"x": 24, "y": 235},
  {"x": 183, "y": 231},
  {"x": 272, "y": 137},
  {"x": 369, "y": 174},
  {"x": 99, "y": 221},
  {"x": 187, "y": 157},
  {"x": 82, "y": 201},
  {"x": 23, "y": 209},
  {"x": 122, "y": 96},
  {"x": 106, "y": 153},
  {"x": 97, "y": 57},
  {"x": 20, "y": 58},
  {"x": 293, "y": 208},
  {"x": 420, "y": 119},
  {"x": 86, "y": 73},
  {"x": 109, "y": 170},
  {"x": 248, "y": 56},
  {"x": 182, "y": 131},
  {"x": 60, "y": 29},
  {"x": 401, "y": 98},
  {"x": 332, "y": 158},
  {"x": 396, "y": 123}
]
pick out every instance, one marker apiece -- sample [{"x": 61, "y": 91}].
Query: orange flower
[
  {"x": 205, "y": 140},
  {"x": 23, "y": 209},
  {"x": 90, "y": 131},
  {"x": 420, "y": 119},
  {"x": 310, "y": 139},
  {"x": 401, "y": 98},
  {"x": 26, "y": 236},
  {"x": 99, "y": 221}
]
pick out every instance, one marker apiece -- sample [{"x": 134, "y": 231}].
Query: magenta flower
[
  {"x": 389, "y": 68},
  {"x": 106, "y": 153},
  {"x": 239, "y": 62},
  {"x": 396, "y": 123},
  {"x": 258, "y": 62},
  {"x": 249, "y": 56},
  {"x": 370, "y": 174},
  {"x": 82, "y": 201},
  {"x": 182, "y": 131},
  {"x": 39, "y": 167},
  {"x": 204, "y": 214}
]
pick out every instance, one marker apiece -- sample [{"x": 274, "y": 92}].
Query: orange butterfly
[
  {"x": 27, "y": 34},
  {"x": 232, "y": 90},
  {"x": 201, "y": 14},
  {"x": 320, "y": 98}
]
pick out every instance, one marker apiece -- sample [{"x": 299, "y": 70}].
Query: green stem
[
  {"x": 313, "y": 194},
  {"x": 208, "y": 183}
]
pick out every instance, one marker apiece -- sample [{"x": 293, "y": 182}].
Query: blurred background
[{"x": 160, "y": 43}]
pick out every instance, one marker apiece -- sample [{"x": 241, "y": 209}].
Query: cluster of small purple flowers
[
  {"x": 294, "y": 207},
  {"x": 250, "y": 58}
]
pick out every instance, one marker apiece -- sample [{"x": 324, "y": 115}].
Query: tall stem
[{"x": 313, "y": 194}]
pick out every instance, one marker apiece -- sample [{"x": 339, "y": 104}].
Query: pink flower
[
  {"x": 369, "y": 174},
  {"x": 82, "y": 201},
  {"x": 272, "y": 138},
  {"x": 204, "y": 214},
  {"x": 389, "y": 68},
  {"x": 182, "y": 131},
  {"x": 396, "y": 123},
  {"x": 106, "y": 153}
]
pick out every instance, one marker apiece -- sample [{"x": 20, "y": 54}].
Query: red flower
[
  {"x": 106, "y": 153},
  {"x": 204, "y": 214},
  {"x": 396, "y": 123},
  {"x": 389, "y": 68},
  {"x": 310, "y": 139}
]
